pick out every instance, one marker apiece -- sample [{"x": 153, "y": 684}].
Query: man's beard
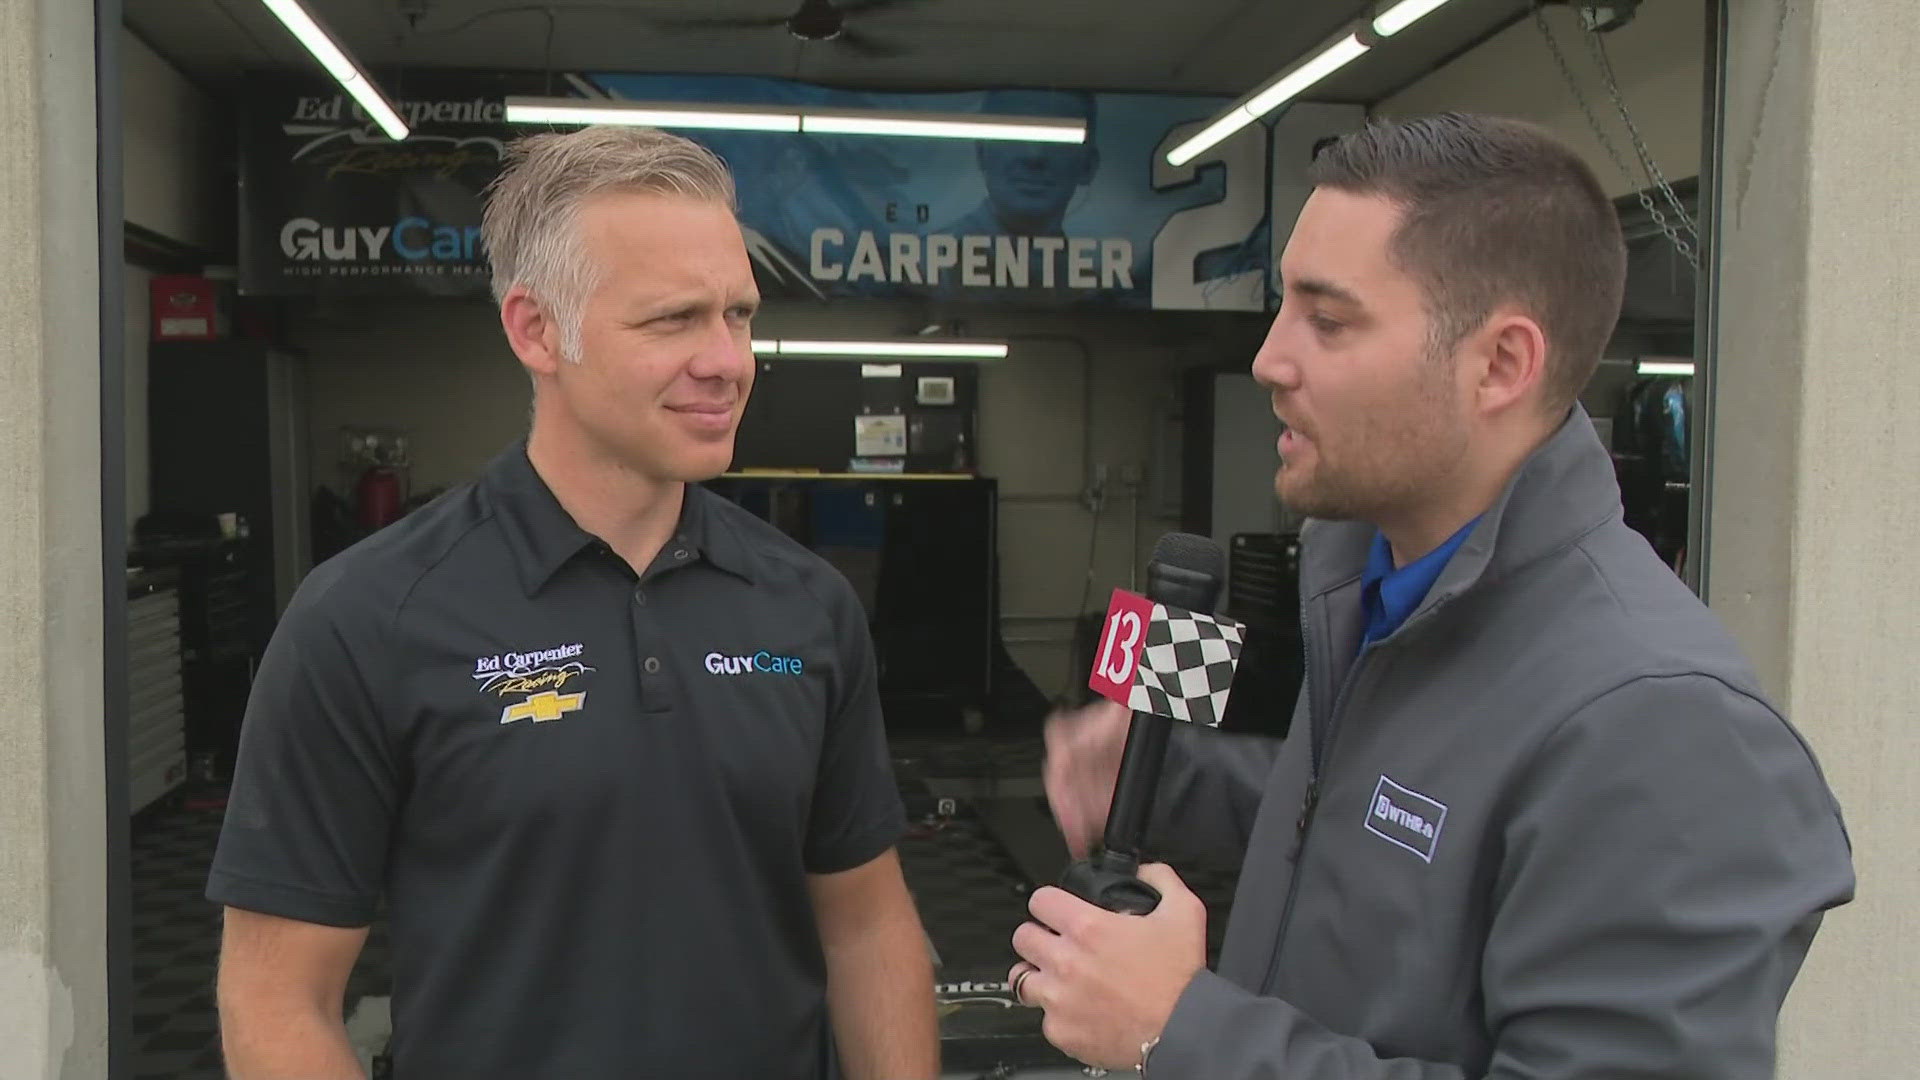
[
  {"x": 1327, "y": 497},
  {"x": 1388, "y": 467}
]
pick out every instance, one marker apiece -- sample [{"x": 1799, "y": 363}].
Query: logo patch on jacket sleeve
[{"x": 1405, "y": 818}]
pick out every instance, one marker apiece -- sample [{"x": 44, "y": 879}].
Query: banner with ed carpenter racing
[{"x": 331, "y": 206}]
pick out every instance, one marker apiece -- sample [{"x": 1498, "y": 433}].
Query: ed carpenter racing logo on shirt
[
  {"x": 1405, "y": 818},
  {"x": 762, "y": 662},
  {"x": 537, "y": 679}
]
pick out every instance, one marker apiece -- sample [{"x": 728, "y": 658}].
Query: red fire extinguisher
[{"x": 379, "y": 497}]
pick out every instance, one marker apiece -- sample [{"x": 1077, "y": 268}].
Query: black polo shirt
[{"x": 589, "y": 799}]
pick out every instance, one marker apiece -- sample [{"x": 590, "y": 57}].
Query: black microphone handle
[
  {"x": 1109, "y": 878},
  {"x": 1131, "y": 812}
]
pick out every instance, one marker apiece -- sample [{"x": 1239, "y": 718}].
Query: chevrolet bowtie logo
[{"x": 543, "y": 706}]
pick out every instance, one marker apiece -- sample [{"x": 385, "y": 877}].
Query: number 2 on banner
[
  {"x": 1120, "y": 644},
  {"x": 1224, "y": 223}
]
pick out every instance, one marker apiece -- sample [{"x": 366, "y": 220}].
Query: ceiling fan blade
[
  {"x": 866, "y": 44},
  {"x": 855, "y": 7},
  {"x": 714, "y": 22}
]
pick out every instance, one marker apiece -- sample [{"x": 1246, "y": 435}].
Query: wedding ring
[{"x": 1019, "y": 981}]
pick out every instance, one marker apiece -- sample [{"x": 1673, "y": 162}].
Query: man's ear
[
  {"x": 1513, "y": 366},
  {"x": 532, "y": 331}
]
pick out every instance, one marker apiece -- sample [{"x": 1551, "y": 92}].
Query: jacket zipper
[
  {"x": 1322, "y": 745},
  {"x": 1312, "y": 798},
  {"x": 1319, "y": 751}
]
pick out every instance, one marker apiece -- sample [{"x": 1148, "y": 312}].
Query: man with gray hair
[{"x": 608, "y": 748}]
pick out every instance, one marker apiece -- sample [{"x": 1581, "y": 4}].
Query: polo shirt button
[
  {"x": 640, "y": 597},
  {"x": 680, "y": 553},
  {"x": 652, "y": 665}
]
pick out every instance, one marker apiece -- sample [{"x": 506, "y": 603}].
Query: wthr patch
[{"x": 1405, "y": 818}]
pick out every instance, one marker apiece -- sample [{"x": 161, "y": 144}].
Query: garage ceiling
[{"x": 1196, "y": 46}]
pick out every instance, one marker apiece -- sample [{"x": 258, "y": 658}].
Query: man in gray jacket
[{"x": 1534, "y": 819}]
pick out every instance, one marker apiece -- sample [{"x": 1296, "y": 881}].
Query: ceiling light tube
[
  {"x": 943, "y": 125},
  {"x": 1666, "y": 367},
  {"x": 916, "y": 349},
  {"x": 663, "y": 114},
  {"x": 1402, "y": 15},
  {"x": 1330, "y": 58},
  {"x": 339, "y": 65},
  {"x": 1212, "y": 135},
  {"x": 670, "y": 114},
  {"x": 1294, "y": 83}
]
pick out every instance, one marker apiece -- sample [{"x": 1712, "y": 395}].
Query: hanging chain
[
  {"x": 1597, "y": 45},
  {"x": 1606, "y": 142}
]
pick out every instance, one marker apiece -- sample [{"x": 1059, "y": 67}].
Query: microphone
[{"x": 1183, "y": 578}]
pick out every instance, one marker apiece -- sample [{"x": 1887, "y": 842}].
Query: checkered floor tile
[
  {"x": 969, "y": 892},
  {"x": 968, "y": 758},
  {"x": 971, "y": 896},
  {"x": 176, "y": 947}
]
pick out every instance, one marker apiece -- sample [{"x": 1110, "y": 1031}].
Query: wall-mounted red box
[{"x": 186, "y": 307}]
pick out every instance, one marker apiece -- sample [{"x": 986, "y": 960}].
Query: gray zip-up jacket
[{"x": 1548, "y": 829}]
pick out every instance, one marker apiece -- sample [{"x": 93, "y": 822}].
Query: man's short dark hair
[{"x": 1495, "y": 211}]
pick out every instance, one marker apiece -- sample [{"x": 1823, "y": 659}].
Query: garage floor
[
  {"x": 969, "y": 885},
  {"x": 176, "y": 947}
]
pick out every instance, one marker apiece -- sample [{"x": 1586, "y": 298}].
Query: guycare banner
[{"x": 330, "y": 206}]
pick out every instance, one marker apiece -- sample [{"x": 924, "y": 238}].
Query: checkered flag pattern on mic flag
[{"x": 1186, "y": 668}]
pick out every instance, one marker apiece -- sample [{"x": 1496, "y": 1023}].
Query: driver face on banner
[{"x": 1031, "y": 184}]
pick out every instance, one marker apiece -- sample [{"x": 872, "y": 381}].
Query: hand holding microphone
[
  {"x": 1166, "y": 658},
  {"x": 1110, "y": 951}
]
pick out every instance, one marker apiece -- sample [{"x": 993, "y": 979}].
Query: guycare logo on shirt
[
  {"x": 534, "y": 685},
  {"x": 759, "y": 663},
  {"x": 1405, "y": 818}
]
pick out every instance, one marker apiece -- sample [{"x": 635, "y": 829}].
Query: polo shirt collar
[
  {"x": 1390, "y": 595},
  {"x": 708, "y": 534},
  {"x": 543, "y": 537}
]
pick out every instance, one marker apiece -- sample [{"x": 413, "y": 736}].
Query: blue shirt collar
[{"x": 1388, "y": 595}]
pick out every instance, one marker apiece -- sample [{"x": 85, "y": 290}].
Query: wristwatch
[{"x": 1145, "y": 1049}]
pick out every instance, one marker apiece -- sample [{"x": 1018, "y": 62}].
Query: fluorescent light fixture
[
  {"x": 1291, "y": 85},
  {"x": 344, "y": 71},
  {"x": 1666, "y": 367},
  {"x": 943, "y": 126},
  {"x": 951, "y": 350},
  {"x": 1402, "y": 15},
  {"x": 665, "y": 114},
  {"x": 1328, "y": 60},
  {"x": 912, "y": 349},
  {"x": 670, "y": 114},
  {"x": 1212, "y": 135}
]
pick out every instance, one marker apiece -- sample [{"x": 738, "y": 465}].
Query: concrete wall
[
  {"x": 53, "y": 996},
  {"x": 1816, "y": 494},
  {"x": 443, "y": 372},
  {"x": 1658, "y": 58}
]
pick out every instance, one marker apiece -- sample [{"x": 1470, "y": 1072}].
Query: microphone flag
[{"x": 1165, "y": 660}]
